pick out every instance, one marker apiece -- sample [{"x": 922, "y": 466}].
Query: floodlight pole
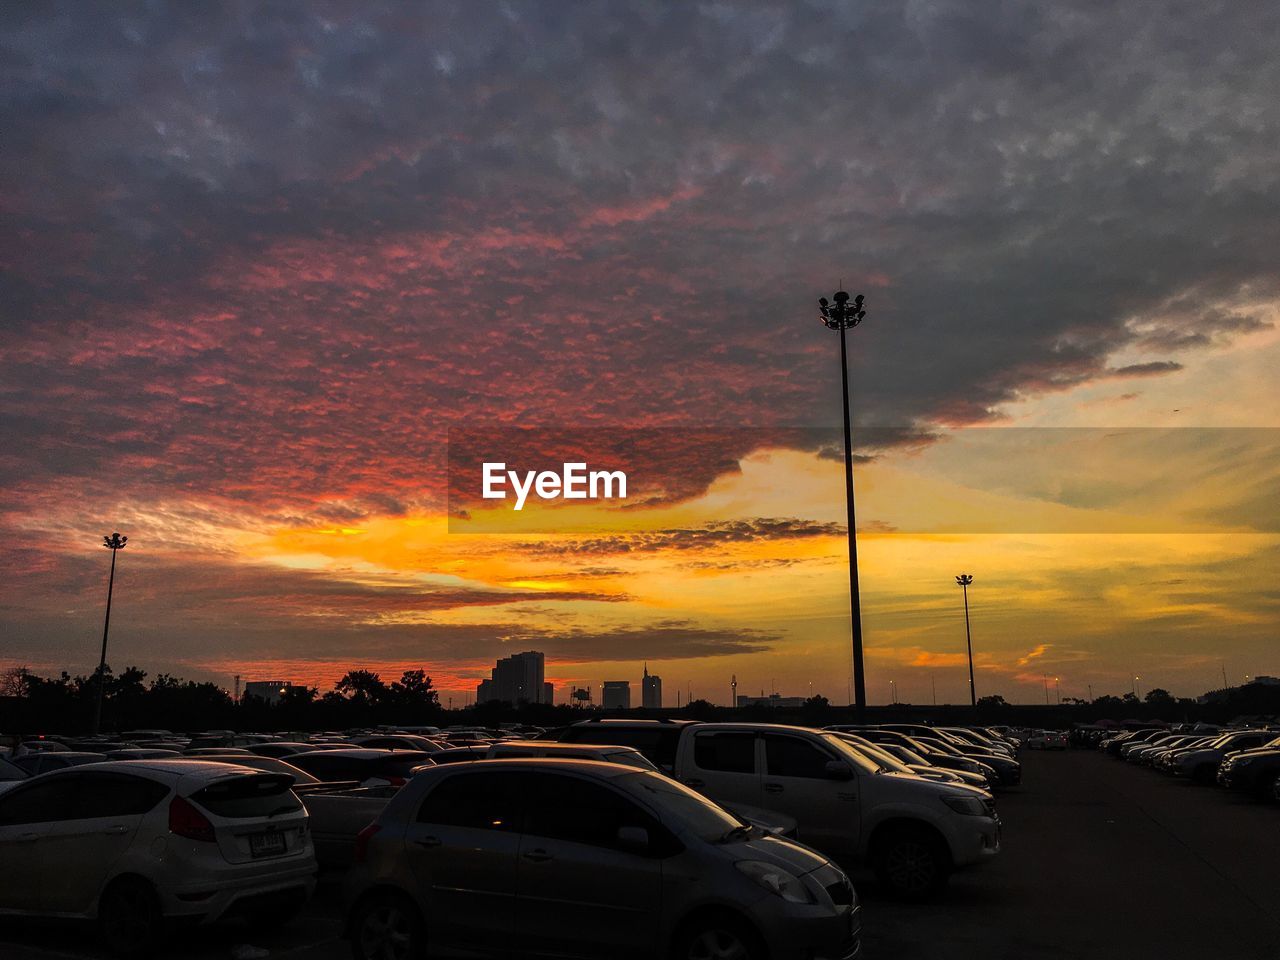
[
  {"x": 114, "y": 543},
  {"x": 842, "y": 315},
  {"x": 964, "y": 580}
]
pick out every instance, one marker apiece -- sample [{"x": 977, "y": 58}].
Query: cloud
[
  {"x": 708, "y": 536},
  {"x": 1039, "y": 650},
  {"x": 1155, "y": 368}
]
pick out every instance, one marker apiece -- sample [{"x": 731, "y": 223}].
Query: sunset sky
[{"x": 261, "y": 261}]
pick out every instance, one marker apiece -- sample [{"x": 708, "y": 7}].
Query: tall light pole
[
  {"x": 843, "y": 315},
  {"x": 114, "y": 543},
  {"x": 964, "y": 580},
  {"x": 1057, "y": 690}
]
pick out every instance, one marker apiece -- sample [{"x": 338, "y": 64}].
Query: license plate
[{"x": 266, "y": 844}]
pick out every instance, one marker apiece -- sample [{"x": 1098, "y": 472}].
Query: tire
[
  {"x": 130, "y": 923},
  {"x": 912, "y": 863},
  {"x": 717, "y": 937},
  {"x": 387, "y": 926}
]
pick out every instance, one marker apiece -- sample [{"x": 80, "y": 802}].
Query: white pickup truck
[{"x": 912, "y": 831}]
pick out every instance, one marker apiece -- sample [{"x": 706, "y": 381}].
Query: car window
[
  {"x": 725, "y": 751},
  {"x": 631, "y": 759},
  {"x": 793, "y": 757},
  {"x": 41, "y": 801},
  {"x": 9, "y": 771},
  {"x": 114, "y": 795},
  {"x": 482, "y": 800},
  {"x": 249, "y": 796},
  {"x": 658, "y": 743},
  {"x": 563, "y": 807}
]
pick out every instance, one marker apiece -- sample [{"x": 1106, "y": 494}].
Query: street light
[
  {"x": 114, "y": 543},
  {"x": 964, "y": 580},
  {"x": 1057, "y": 690},
  {"x": 843, "y": 315}
]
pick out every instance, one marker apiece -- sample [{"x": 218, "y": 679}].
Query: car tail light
[
  {"x": 186, "y": 821},
  {"x": 362, "y": 841}
]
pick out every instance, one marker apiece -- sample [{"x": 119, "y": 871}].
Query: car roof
[
  {"x": 364, "y": 753},
  {"x": 595, "y": 768},
  {"x": 557, "y": 747},
  {"x": 168, "y": 769}
]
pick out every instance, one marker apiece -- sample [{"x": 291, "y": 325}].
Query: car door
[
  {"x": 723, "y": 765},
  {"x": 26, "y": 814},
  {"x": 580, "y": 892},
  {"x": 101, "y": 822},
  {"x": 796, "y": 782},
  {"x": 462, "y": 849}
]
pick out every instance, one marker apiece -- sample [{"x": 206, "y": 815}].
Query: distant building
[
  {"x": 651, "y": 690},
  {"x": 772, "y": 700},
  {"x": 616, "y": 695},
  {"x": 272, "y": 691},
  {"x": 580, "y": 696},
  {"x": 516, "y": 678},
  {"x": 548, "y": 693}
]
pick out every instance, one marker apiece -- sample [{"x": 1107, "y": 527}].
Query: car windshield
[
  {"x": 676, "y": 802},
  {"x": 850, "y": 753}
]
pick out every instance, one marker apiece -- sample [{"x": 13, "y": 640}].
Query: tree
[
  {"x": 362, "y": 687},
  {"x": 13, "y": 682},
  {"x": 993, "y": 701},
  {"x": 412, "y": 693}
]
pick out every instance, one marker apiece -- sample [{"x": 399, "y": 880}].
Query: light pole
[
  {"x": 964, "y": 580},
  {"x": 893, "y": 692},
  {"x": 843, "y": 315},
  {"x": 114, "y": 543},
  {"x": 1045, "y": 678},
  {"x": 1057, "y": 690}
]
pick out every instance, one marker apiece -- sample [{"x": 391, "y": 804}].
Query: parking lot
[{"x": 1102, "y": 860}]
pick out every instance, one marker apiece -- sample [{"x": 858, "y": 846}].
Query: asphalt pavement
[{"x": 1102, "y": 861}]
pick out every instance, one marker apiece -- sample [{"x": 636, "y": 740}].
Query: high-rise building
[
  {"x": 548, "y": 693},
  {"x": 616, "y": 695},
  {"x": 269, "y": 690},
  {"x": 516, "y": 678},
  {"x": 651, "y": 690}
]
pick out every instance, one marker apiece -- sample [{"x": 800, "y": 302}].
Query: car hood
[
  {"x": 1255, "y": 752},
  {"x": 780, "y": 852}
]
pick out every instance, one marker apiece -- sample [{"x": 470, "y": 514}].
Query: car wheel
[
  {"x": 386, "y": 926},
  {"x": 129, "y": 918},
  {"x": 911, "y": 863},
  {"x": 718, "y": 938}
]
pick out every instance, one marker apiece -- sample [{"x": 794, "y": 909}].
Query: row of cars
[
  {"x": 608, "y": 838},
  {"x": 1247, "y": 760}
]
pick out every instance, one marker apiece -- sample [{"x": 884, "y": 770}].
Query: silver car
[
  {"x": 131, "y": 843},
  {"x": 577, "y": 858}
]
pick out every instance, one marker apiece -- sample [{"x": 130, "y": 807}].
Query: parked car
[
  {"x": 461, "y": 754},
  {"x": 302, "y": 781},
  {"x": 593, "y": 861},
  {"x": 656, "y": 739},
  {"x": 134, "y": 843},
  {"x": 1046, "y": 740},
  {"x": 10, "y": 775},
  {"x": 947, "y": 759},
  {"x": 1201, "y": 762},
  {"x": 364, "y": 765},
  {"x": 398, "y": 742},
  {"x": 1255, "y": 771},
  {"x": 46, "y": 760},
  {"x": 287, "y": 748},
  {"x": 769, "y": 821}
]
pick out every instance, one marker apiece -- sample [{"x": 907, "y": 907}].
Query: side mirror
[
  {"x": 838, "y": 770},
  {"x": 633, "y": 838}
]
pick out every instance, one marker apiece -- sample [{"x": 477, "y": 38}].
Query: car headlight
[
  {"x": 969, "y": 806},
  {"x": 776, "y": 880}
]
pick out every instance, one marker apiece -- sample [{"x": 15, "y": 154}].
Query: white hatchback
[{"x": 134, "y": 842}]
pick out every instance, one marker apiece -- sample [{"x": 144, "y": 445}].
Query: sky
[{"x": 262, "y": 262}]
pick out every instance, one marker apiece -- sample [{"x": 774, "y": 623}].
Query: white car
[
  {"x": 132, "y": 843},
  {"x": 10, "y": 775}
]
